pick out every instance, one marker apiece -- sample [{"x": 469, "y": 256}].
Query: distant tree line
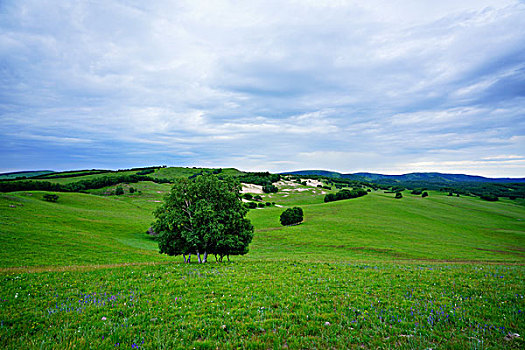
[
  {"x": 345, "y": 194},
  {"x": 69, "y": 174},
  {"x": 79, "y": 186},
  {"x": 78, "y": 173},
  {"x": 261, "y": 179}
]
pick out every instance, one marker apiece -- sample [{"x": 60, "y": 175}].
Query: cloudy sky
[{"x": 379, "y": 86}]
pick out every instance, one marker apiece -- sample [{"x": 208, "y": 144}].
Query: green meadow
[{"x": 372, "y": 272}]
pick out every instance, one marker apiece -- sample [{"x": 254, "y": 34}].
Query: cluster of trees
[
  {"x": 270, "y": 188},
  {"x": 119, "y": 191},
  {"x": 253, "y": 205},
  {"x": 262, "y": 179},
  {"x": 345, "y": 194},
  {"x": 291, "y": 216},
  {"x": 79, "y": 186},
  {"x": 203, "y": 216},
  {"x": 145, "y": 172}
]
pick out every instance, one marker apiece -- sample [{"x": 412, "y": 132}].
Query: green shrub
[
  {"x": 292, "y": 216},
  {"x": 119, "y": 191},
  {"x": 399, "y": 195},
  {"x": 489, "y": 197},
  {"x": 48, "y": 197},
  {"x": 270, "y": 189}
]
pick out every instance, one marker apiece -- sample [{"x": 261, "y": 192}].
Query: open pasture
[
  {"x": 265, "y": 305},
  {"x": 372, "y": 272}
]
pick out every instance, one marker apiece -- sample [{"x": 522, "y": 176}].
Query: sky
[{"x": 381, "y": 86}]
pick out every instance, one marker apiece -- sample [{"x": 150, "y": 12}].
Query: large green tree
[{"x": 204, "y": 215}]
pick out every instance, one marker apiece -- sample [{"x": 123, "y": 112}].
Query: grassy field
[
  {"x": 180, "y": 172},
  {"x": 372, "y": 272}
]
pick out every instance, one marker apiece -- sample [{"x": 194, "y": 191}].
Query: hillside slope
[{"x": 93, "y": 229}]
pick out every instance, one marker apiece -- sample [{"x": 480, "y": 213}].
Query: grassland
[{"x": 372, "y": 272}]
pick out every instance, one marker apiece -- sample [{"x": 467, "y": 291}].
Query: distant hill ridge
[{"x": 428, "y": 177}]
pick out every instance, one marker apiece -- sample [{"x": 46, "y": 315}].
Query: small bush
[
  {"x": 48, "y": 197},
  {"x": 248, "y": 196},
  {"x": 251, "y": 205},
  {"x": 119, "y": 191},
  {"x": 399, "y": 195},
  {"x": 131, "y": 190},
  {"x": 270, "y": 189},
  {"x": 268, "y": 204},
  {"x": 292, "y": 216},
  {"x": 260, "y": 205},
  {"x": 257, "y": 198},
  {"x": 424, "y": 194},
  {"x": 489, "y": 197}
]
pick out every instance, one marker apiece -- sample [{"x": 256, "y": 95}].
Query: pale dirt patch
[
  {"x": 313, "y": 183},
  {"x": 251, "y": 188},
  {"x": 302, "y": 189},
  {"x": 287, "y": 190},
  {"x": 278, "y": 206},
  {"x": 155, "y": 201},
  {"x": 282, "y": 183}
]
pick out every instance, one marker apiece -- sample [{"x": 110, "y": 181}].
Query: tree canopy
[{"x": 205, "y": 216}]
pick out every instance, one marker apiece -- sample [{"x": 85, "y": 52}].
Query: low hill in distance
[
  {"x": 22, "y": 174},
  {"x": 427, "y": 177}
]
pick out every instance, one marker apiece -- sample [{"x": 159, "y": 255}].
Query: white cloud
[{"x": 379, "y": 81}]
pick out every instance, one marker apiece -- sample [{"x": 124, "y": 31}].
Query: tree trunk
[
  {"x": 189, "y": 258},
  {"x": 228, "y": 257},
  {"x": 199, "y": 257},
  {"x": 216, "y": 260},
  {"x": 205, "y": 257},
  {"x": 184, "y": 256}
]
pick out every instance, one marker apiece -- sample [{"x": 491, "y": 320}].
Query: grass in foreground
[
  {"x": 299, "y": 287},
  {"x": 265, "y": 305}
]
